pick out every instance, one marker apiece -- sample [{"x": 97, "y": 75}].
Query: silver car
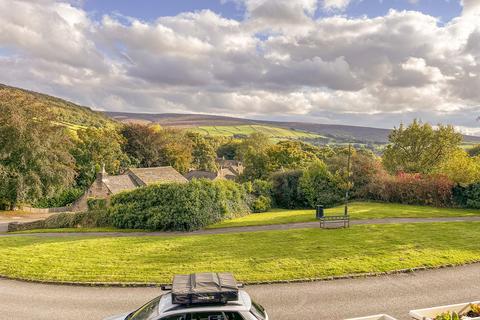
[{"x": 162, "y": 308}]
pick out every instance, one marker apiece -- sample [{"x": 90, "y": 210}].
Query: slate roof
[
  {"x": 148, "y": 176},
  {"x": 198, "y": 174},
  {"x": 119, "y": 183},
  {"x": 227, "y": 173}
]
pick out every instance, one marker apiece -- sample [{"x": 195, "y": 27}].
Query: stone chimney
[{"x": 102, "y": 174}]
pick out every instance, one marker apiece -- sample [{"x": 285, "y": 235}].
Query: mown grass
[
  {"x": 357, "y": 210},
  {"x": 257, "y": 256}
]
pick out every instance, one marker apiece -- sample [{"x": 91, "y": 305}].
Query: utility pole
[{"x": 348, "y": 178}]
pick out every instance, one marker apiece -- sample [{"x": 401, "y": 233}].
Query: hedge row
[
  {"x": 178, "y": 207},
  {"x": 467, "y": 196}
]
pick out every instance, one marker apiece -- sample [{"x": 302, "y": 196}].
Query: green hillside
[
  {"x": 243, "y": 130},
  {"x": 64, "y": 112}
]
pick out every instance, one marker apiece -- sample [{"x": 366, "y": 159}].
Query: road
[
  {"x": 339, "y": 299},
  {"x": 289, "y": 226}
]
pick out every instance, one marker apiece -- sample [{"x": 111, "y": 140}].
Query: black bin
[{"x": 319, "y": 212}]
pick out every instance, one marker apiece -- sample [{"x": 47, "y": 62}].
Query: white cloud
[
  {"x": 279, "y": 62},
  {"x": 335, "y": 4}
]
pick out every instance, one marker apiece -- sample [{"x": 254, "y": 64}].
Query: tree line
[{"x": 44, "y": 163}]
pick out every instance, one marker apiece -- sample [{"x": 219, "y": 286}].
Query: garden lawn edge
[{"x": 158, "y": 285}]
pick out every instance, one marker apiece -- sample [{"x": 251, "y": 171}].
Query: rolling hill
[
  {"x": 75, "y": 116},
  {"x": 229, "y": 126},
  {"x": 65, "y": 113}
]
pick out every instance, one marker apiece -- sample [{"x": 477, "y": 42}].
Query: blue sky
[{"x": 149, "y": 10}]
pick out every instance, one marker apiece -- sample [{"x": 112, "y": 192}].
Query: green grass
[
  {"x": 357, "y": 210},
  {"x": 257, "y": 256},
  {"x": 272, "y": 132},
  {"x": 77, "y": 230}
]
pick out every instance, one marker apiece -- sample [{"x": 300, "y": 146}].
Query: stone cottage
[
  {"x": 106, "y": 185},
  {"x": 228, "y": 169}
]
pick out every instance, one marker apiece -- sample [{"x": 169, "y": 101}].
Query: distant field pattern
[{"x": 272, "y": 132}]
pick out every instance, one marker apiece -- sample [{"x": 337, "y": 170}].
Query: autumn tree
[
  {"x": 175, "y": 149},
  {"x": 96, "y": 147},
  {"x": 203, "y": 152},
  {"x": 460, "y": 168},
  {"x": 142, "y": 144},
  {"x": 34, "y": 154},
  {"x": 419, "y": 147}
]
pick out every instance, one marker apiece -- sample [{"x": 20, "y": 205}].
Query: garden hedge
[
  {"x": 467, "y": 196},
  {"x": 178, "y": 207}
]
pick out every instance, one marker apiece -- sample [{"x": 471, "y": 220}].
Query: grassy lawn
[
  {"x": 357, "y": 210},
  {"x": 73, "y": 230},
  {"x": 257, "y": 256}
]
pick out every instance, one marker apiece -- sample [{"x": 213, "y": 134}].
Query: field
[
  {"x": 357, "y": 210},
  {"x": 272, "y": 132},
  {"x": 257, "y": 256}
]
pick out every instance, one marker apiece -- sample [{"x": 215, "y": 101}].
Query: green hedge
[
  {"x": 468, "y": 197},
  {"x": 97, "y": 204},
  {"x": 178, "y": 207}
]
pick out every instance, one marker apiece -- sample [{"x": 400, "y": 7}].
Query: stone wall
[
  {"x": 21, "y": 226},
  {"x": 46, "y": 210}
]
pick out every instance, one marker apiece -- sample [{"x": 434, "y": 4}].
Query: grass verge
[
  {"x": 256, "y": 256},
  {"x": 357, "y": 210}
]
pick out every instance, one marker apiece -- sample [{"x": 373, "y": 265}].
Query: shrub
[
  {"x": 285, "y": 190},
  {"x": 407, "y": 188},
  {"x": 468, "y": 197},
  {"x": 261, "y": 204},
  {"x": 320, "y": 186},
  {"x": 96, "y": 204},
  {"x": 179, "y": 207},
  {"x": 88, "y": 219}
]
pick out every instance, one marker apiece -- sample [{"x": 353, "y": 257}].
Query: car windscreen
[
  {"x": 146, "y": 312},
  {"x": 258, "y": 311}
]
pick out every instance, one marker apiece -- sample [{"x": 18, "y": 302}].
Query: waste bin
[{"x": 320, "y": 213}]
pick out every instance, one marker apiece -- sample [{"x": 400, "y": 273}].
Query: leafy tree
[
  {"x": 257, "y": 165},
  {"x": 256, "y": 141},
  {"x": 96, "y": 147},
  {"x": 142, "y": 144},
  {"x": 286, "y": 191},
  {"x": 290, "y": 155},
  {"x": 460, "y": 168},
  {"x": 364, "y": 166},
  {"x": 175, "y": 150},
  {"x": 229, "y": 149},
  {"x": 34, "y": 154},
  {"x": 419, "y": 147},
  {"x": 320, "y": 186},
  {"x": 203, "y": 152}
]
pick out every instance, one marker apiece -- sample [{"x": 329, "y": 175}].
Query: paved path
[
  {"x": 328, "y": 300},
  {"x": 5, "y": 219},
  {"x": 246, "y": 229}
]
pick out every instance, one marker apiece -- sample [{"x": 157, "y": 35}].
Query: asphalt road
[{"x": 339, "y": 299}]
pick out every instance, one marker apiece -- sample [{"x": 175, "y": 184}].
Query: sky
[{"x": 356, "y": 62}]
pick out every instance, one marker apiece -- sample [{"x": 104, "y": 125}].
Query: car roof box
[{"x": 204, "y": 288}]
